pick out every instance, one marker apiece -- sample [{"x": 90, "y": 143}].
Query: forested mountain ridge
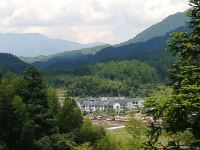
[
  {"x": 64, "y": 55},
  {"x": 167, "y": 25},
  {"x": 152, "y": 52},
  {"x": 148, "y": 46},
  {"x": 116, "y": 78},
  {"x": 34, "y": 44},
  {"x": 170, "y": 23},
  {"x": 10, "y": 63}
]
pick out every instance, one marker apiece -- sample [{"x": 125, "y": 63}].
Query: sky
[{"x": 85, "y": 21}]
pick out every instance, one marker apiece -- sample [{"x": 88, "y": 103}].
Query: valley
[{"x": 138, "y": 94}]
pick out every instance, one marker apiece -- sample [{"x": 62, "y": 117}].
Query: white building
[{"x": 103, "y": 103}]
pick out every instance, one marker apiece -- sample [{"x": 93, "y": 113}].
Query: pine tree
[
  {"x": 184, "y": 107},
  {"x": 53, "y": 102},
  {"x": 70, "y": 116},
  {"x": 34, "y": 89},
  {"x": 6, "y": 117},
  {"x": 181, "y": 112},
  {"x": 34, "y": 93}
]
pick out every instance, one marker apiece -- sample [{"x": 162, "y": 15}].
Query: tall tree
[
  {"x": 53, "y": 102},
  {"x": 34, "y": 89},
  {"x": 70, "y": 118},
  {"x": 182, "y": 111},
  {"x": 34, "y": 93},
  {"x": 6, "y": 117}
]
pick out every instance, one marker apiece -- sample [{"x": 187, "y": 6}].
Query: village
[{"x": 113, "y": 112}]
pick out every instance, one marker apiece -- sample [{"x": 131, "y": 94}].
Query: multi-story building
[{"x": 102, "y": 103}]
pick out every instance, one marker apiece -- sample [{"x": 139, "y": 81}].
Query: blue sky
[{"x": 111, "y": 21}]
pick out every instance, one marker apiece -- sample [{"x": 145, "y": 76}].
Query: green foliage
[
  {"x": 130, "y": 72},
  {"x": 23, "y": 130},
  {"x": 53, "y": 102},
  {"x": 137, "y": 130},
  {"x": 6, "y": 118},
  {"x": 94, "y": 86},
  {"x": 110, "y": 112},
  {"x": 89, "y": 133},
  {"x": 44, "y": 121},
  {"x": 70, "y": 118},
  {"x": 108, "y": 143},
  {"x": 181, "y": 111},
  {"x": 85, "y": 146},
  {"x": 185, "y": 78},
  {"x": 122, "y": 78},
  {"x": 168, "y": 24},
  {"x": 26, "y": 122},
  {"x": 33, "y": 88},
  {"x": 61, "y": 142},
  {"x": 44, "y": 143},
  {"x": 27, "y": 136},
  {"x": 11, "y": 64},
  {"x": 54, "y": 142},
  {"x": 3, "y": 145}
]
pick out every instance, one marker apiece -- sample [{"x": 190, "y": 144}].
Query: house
[{"x": 92, "y": 104}]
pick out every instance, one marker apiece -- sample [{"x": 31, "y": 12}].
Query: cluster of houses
[
  {"x": 103, "y": 103},
  {"x": 92, "y": 104}
]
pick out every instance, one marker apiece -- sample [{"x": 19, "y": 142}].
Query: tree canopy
[{"x": 181, "y": 112}]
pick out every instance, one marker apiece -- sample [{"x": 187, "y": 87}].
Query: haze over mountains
[
  {"x": 148, "y": 46},
  {"x": 34, "y": 44},
  {"x": 170, "y": 23}
]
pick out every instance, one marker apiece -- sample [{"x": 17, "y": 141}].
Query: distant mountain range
[
  {"x": 65, "y": 55},
  {"x": 152, "y": 52},
  {"x": 168, "y": 25},
  {"x": 148, "y": 46},
  {"x": 34, "y": 44}
]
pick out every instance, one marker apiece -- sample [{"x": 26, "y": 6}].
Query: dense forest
[
  {"x": 120, "y": 78},
  {"x": 32, "y": 118},
  {"x": 11, "y": 64}
]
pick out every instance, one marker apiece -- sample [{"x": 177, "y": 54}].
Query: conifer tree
[
  {"x": 184, "y": 111},
  {"x": 70, "y": 118},
  {"x": 34, "y": 89},
  {"x": 181, "y": 112}
]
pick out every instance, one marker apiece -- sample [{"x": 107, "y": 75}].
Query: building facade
[{"x": 102, "y": 103}]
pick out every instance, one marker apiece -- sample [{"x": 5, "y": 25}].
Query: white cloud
[{"x": 85, "y": 20}]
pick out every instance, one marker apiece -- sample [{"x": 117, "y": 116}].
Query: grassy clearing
[
  {"x": 122, "y": 138},
  {"x": 120, "y": 134}
]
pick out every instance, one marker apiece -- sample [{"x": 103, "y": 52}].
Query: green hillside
[
  {"x": 119, "y": 78},
  {"x": 12, "y": 64},
  {"x": 160, "y": 29},
  {"x": 64, "y": 55}
]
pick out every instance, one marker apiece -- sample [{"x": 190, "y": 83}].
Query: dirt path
[{"x": 113, "y": 128}]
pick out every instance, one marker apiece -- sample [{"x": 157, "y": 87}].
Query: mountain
[
  {"x": 10, "y": 63},
  {"x": 140, "y": 50},
  {"x": 64, "y": 55},
  {"x": 151, "y": 51},
  {"x": 170, "y": 23},
  {"x": 33, "y": 59},
  {"x": 34, "y": 44}
]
